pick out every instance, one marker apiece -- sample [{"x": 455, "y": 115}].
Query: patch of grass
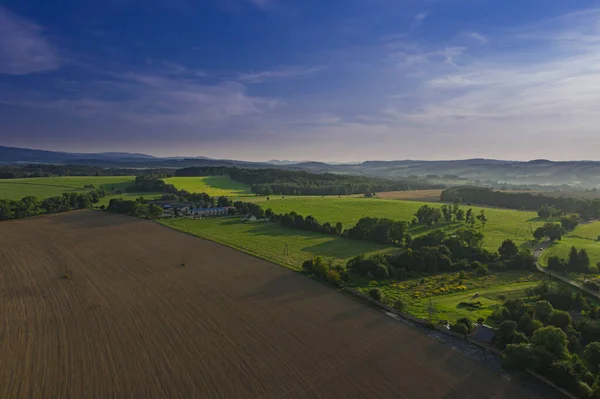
[
  {"x": 502, "y": 223},
  {"x": 215, "y": 186},
  {"x": 448, "y": 293},
  {"x": 43, "y": 187},
  {"x": 268, "y": 240},
  {"x": 561, "y": 248},
  {"x": 588, "y": 230}
]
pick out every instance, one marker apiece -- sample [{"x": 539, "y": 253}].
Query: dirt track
[{"x": 133, "y": 323}]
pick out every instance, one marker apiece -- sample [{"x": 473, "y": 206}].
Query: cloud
[
  {"x": 23, "y": 47},
  {"x": 148, "y": 98},
  {"x": 513, "y": 93},
  {"x": 290, "y": 72},
  {"x": 421, "y": 16},
  {"x": 478, "y": 37}
]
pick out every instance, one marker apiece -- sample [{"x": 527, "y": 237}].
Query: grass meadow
[
  {"x": 43, "y": 187},
  {"x": 215, "y": 186},
  {"x": 584, "y": 236},
  {"x": 502, "y": 223},
  {"x": 268, "y": 240}
]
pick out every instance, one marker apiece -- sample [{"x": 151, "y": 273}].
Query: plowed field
[{"x": 133, "y": 323}]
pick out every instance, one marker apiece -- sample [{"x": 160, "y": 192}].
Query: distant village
[{"x": 178, "y": 209}]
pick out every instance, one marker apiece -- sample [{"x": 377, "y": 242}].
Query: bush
[
  {"x": 376, "y": 294},
  {"x": 460, "y": 328},
  {"x": 467, "y": 322},
  {"x": 399, "y": 305},
  {"x": 481, "y": 270},
  {"x": 334, "y": 277}
]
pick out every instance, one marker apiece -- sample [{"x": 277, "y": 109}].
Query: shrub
[
  {"x": 376, "y": 294},
  {"x": 460, "y": 328},
  {"x": 399, "y": 305},
  {"x": 334, "y": 277},
  {"x": 467, "y": 322}
]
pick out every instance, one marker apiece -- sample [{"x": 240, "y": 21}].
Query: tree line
[
  {"x": 48, "y": 170},
  {"x": 546, "y": 206},
  {"x": 32, "y": 206},
  {"x": 292, "y": 182}
]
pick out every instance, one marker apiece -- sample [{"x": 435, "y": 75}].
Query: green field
[
  {"x": 215, "y": 186},
  {"x": 42, "y": 187},
  {"x": 267, "y": 240},
  {"x": 445, "y": 293},
  {"x": 502, "y": 223},
  {"x": 128, "y": 196},
  {"x": 584, "y": 236}
]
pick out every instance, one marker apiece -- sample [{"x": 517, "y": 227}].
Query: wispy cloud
[
  {"x": 509, "y": 91},
  {"x": 140, "y": 96},
  {"x": 289, "y": 72},
  {"x": 23, "y": 47},
  {"x": 478, "y": 37},
  {"x": 421, "y": 16}
]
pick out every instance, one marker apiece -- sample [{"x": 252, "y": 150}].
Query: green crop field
[
  {"x": 215, "y": 186},
  {"x": 448, "y": 294},
  {"x": 268, "y": 240},
  {"x": 502, "y": 223},
  {"x": 42, "y": 187}
]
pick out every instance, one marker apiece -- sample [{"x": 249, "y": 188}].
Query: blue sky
[{"x": 336, "y": 80}]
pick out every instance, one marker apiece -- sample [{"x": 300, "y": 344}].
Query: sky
[{"x": 335, "y": 80}]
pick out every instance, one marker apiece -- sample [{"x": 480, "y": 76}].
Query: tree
[
  {"x": 460, "y": 215},
  {"x": 481, "y": 217},
  {"x": 557, "y": 264},
  {"x": 569, "y": 222},
  {"x": 339, "y": 228},
  {"x": 553, "y": 340},
  {"x": 583, "y": 261},
  {"x": 553, "y": 231},
  {"x": 428, "y": 215},
  {"x": 154, "y": 211},
  {"x": 543, "y": 311},
  {"x": 447, "y": 212},
  {"x": 560, "y": 319},
  {"x": 508, "y": 334},
  {"x": 470, "y": 237},
  {"x": 519, "y": 357},
  {"x": 508, "y": 249},
  {"x": 5, "y": 210},
  {"x": 591, "y": 355}
]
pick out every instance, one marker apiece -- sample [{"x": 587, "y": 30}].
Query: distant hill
[{"x": 536, "y": 172}]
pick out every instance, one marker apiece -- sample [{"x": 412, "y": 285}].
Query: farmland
[
  {"x": 132, "y": 322},
  {"x": 411, "y": 195},
  {"x": 42, "y": 187},
  {"x": 449, "y": 294},
  {"x": 503, "y": 223},
  {"x": 268, "y": 240},
  {"x": 215, "y": 186}
]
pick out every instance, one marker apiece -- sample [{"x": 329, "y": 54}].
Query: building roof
[{"x": 484, "y": 333}]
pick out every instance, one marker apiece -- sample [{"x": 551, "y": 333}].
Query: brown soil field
[
  {"x": 412, "y": 195},
  {"x": 132, "y": 322}
]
